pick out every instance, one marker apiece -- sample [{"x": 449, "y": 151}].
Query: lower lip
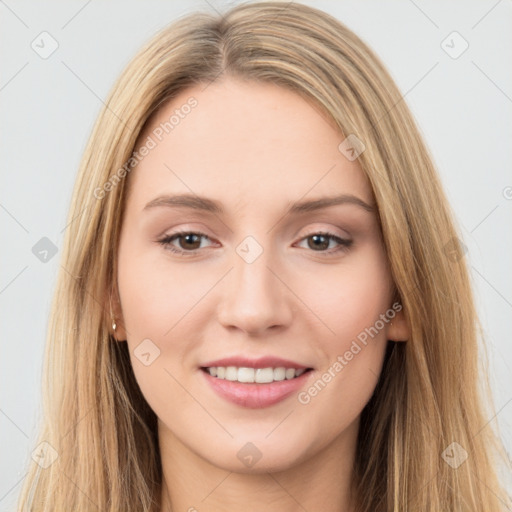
[{"x": 255, "y": 396}]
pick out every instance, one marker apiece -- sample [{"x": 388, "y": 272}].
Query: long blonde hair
[{"x": 99, "y": 435}]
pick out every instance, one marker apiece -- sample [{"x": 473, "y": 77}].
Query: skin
[{"x": 255, "y": 148}]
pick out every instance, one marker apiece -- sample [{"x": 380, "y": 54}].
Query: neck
[{"x": 321, "y": 482}]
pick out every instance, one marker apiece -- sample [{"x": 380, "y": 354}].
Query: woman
[{"x": 263, "y": 302}]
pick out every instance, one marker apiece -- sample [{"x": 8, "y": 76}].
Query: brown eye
[
  {"x": 191, "y": 241},
  {"x": 319, "y": 242},
  {"x": 188, "y": 241}
]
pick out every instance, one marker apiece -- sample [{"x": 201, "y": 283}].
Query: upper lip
[{"x": 261, "y": 362}]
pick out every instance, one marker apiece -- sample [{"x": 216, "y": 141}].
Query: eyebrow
[{"x": 195, "y": 202}]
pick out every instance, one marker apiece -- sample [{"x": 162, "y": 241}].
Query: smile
[
  {"x": 255, "y": 388},
  {"x": 254, "y": 375}
]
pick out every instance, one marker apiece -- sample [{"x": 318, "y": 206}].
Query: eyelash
[{"x": 167, "y": 239}]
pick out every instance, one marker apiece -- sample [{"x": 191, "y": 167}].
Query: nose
[{"x": 254, "y": 298}]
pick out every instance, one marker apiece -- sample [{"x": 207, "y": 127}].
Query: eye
[
  {"x": 322, "y": 240},
  {"x": 190, "y": 242}
]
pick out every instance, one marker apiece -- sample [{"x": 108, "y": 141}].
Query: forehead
[{"x": 243, "y": 143}]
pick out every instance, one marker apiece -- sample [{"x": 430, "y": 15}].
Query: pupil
[
  {"x": 317, "y": 240},
  {"x": 189, "y": 238},
  {"x": 323, "y": 245}
]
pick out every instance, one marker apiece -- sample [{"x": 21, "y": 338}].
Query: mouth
[
  {"x": 247, "y": 375},
  {"x": 255, "y": 388}
]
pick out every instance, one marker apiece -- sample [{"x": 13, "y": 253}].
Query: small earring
[{"x": 114, "y": 325}]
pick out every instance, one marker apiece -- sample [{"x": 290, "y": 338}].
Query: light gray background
[{"x": 48, "y": 107}]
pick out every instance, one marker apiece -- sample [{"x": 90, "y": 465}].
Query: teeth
[
  {"x": 245, "y": 375},
  {"x": 258, "y": 375},
  {"x": 263, "y": 375},
  {"x": 231, "y": 373},
  {"x": 280, "y": 374},
  {"x": 289, "y": 373}
]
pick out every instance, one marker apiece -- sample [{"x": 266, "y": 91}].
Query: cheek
[
  {"x": 160, "y": 303},
  {"x": 155, "y": 296},
  {"x": 155, "y": 302},
  {"x": 353, "y": 305},
  {"x": 357, "y": 294}
]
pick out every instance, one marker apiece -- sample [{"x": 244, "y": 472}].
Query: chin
[{"x": 257, "y": 457}]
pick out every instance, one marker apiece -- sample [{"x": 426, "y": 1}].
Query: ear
[
  {"x": 115, "y": 315},
  {"x": 398, "y": 329}
]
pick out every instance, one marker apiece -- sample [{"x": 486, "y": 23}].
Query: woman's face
[{"x": 254, "y": 278}]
